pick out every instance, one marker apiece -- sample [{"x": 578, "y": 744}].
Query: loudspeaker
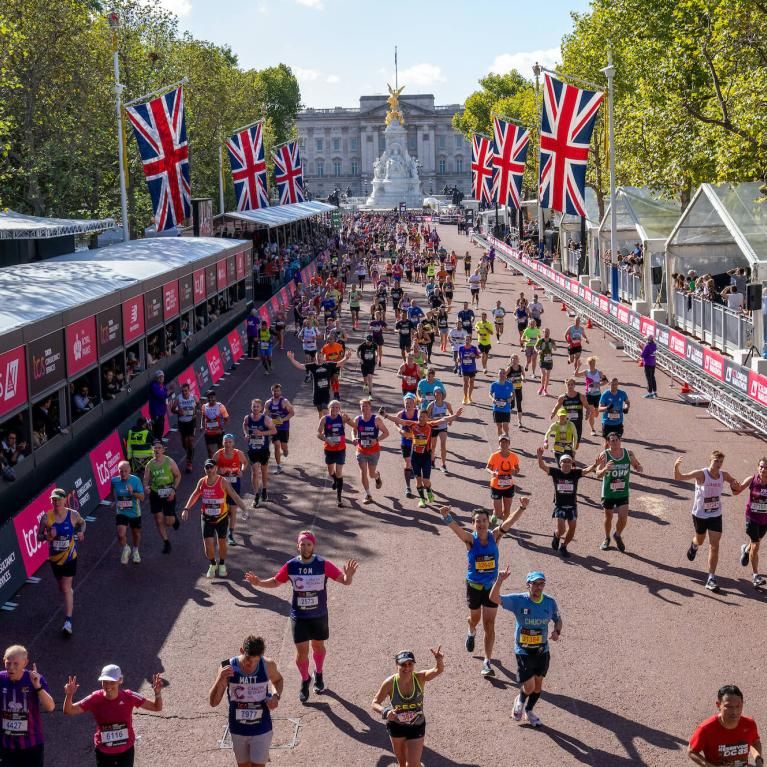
[{"x": 753, "y": 296}]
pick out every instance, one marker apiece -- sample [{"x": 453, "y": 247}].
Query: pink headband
[{"x": 305, "y": 535}]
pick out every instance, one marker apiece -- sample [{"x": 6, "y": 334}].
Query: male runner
[
  {"x": 187, "y": 408},
  {"x": 457, "y": 338},
  {"x": 366, "y": 352},
  {"x": 215, "y": 416},
  {"x": 484, "y": 330},
  {"x": 369, "y": 430},
  {"x": 279, "y": 409},
  {"x": 321, "y": 374},
  {"x": 502, "y": 399},
  {"x": 127, "y": 494},
  {"x": 575, "y": 335},
  {"x": 162, "y": 477},
  {"x": 257, "y": 427},
  {"x": 499, "y": 314},
  {"x": 613, "y": 405},
  {"x": 231, "y": 462},
  {"x": 468, "y": 354},
  {"x": 576, "y": 406}
]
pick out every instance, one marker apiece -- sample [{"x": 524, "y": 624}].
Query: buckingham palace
[{"x": 339, "y": 145}]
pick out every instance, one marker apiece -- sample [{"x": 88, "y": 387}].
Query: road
[{"x": 644, "y": 646}]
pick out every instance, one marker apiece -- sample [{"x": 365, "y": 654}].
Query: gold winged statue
[{"x": 393, "y": 102}]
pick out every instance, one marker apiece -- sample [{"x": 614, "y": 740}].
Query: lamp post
[
  {"x": 609, "y": 72},
  {"x": 113, "y": 19},
  {"x": 537, "y": 69}
]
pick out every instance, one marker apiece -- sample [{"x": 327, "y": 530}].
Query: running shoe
[
  {"x": 256, "y": 499},
  {"x": 711, "y": 584},
  {"x": 368, "y": 499},
  {"x": 319, "y": 683},
  {"x": 125, "y": 556},
  {"x": 230, "y": 539},
  {"x": 278, "y": 470},
  {"x": 487, "y": 669},
  {"x": 409, "y": 493},
  {"x": 564, "y": 552},
  {"x": 166, "y": 546},
  {"x": 518, "y": 709},
  {"x": 245, "y": 515},
  {"x": 66, "y": 629},
  {"x": 444, "y": 469},
  {"x": 421, "y": 503},
  {"x": 211, "y": 571},
  {"x": 470, "y": 642},
  {"x": 759, "y": 580},
  {"x": 222, "y": 571},
  {"x": 136, "y": 557},
  {"x": 744, "y": 553},
  {"x": 264, "y": 496},
  {"x": 533, "y": 719},
  {"x": 593, "y": 433},
  {"x": 649, "y": 395},
  {"x": 692, "y": 551},
  {"x": 430, "y": 495},
  {"x": 379, "y": 482},
  {"x": 555, "y": 542},
  {"x": 605, "y": 544},
  {"x": 303, "y": 695},
  {"x": 176, "y": 523},
  {"x": 619, "y": 542},
  {"x": 340, "y": 503}
]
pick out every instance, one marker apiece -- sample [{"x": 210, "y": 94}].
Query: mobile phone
[{"x": 224, "y": 663}]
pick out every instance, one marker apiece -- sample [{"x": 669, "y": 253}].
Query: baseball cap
[
  {"x": 368, "y": 337},
  {"x": 229, "y": 436},
  {"x": 562, "y": 411},
  {"x": 404, "y": 657},
  {"x": 209, "y": 462},
  {"x": 409, "y": 395},
  {"x": 504, "y": 437},
  {"x": 58, "y": 492},
  {"x": 110, "y": 673},
  {"x": 535, "y": 575},
  {"x": 159, "y": 374},
  {"x": 565, "y": 457}
]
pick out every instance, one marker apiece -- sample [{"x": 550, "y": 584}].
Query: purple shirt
[
  {"x": 158, "y": 393},
  {"x": 648, "y": 353},
  {"x": 20, "y": 722}
]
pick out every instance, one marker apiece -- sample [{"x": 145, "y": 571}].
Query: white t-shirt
[{"x": 457, "y": 338}]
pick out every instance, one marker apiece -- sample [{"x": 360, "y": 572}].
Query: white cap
[{"x": 111, "y": 673}]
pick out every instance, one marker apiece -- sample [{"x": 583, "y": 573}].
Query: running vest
[
  {"x": 421, "y": 438},
  {"x": 367, "y": 435},
  {"x": 409, "y": 710},
  {"x": 409, "y": 377},
  {"x": 310, "y": 596},
  {"x": 186, "y": 408},
  {"x": 516, "y": 376},
  {"x": 277, "y": 412},
  {"x": 756, "y": 506},
  {"x": 482, "y": 561},
  {"x": 256, "y": 441},
  {"x": 575, "y": 334},
  {"x": 247, "y": 694},
  {"x": 708, "y": 497},
  {"x": 335, "y": 435},
  {"x": 615, "y": 483},
  {"x": 213, "y": 419},
  {"x": 230, "y": 467},
  {"x": 437, "y": 412},
  {"x": 214, "y": 508},
  {"x": 160, "y": 477},
  {"x": 593, "y": 382},
  {"x": 405, "y": 441},
  {"x": 63, "y": 547},
  {"x": 574, "y": 408}
]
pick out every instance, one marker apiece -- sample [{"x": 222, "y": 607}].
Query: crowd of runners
[{"x": 385, "y": 283}]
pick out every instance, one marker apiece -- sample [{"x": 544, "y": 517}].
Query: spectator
[
  {"x": 44, "y": 422},
  {"x": 110, "y": 386},
  {"x": 739, "y": 278},
  {"x": 733, "y": 297},
  {"x": 82, "y": 401},
  {"x": 158, "y": 404}
]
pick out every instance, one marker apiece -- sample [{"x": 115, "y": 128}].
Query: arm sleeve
[
  {"x": 332, "y": 571},
  {"x": 134, "y": 698},
  {"x": 508, "y": 601},
  {"x": 698, "y": 740},
  {"x": 88, "y": 702},
  {"x": 281, "y": 575}
]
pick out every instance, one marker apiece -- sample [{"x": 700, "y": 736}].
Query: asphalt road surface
[{"x": 644, "y": 646}]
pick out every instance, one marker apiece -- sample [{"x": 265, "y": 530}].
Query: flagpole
[
  {"x": 114, "y": 22},
  {"x": 580, "y": 80},
  {"x": 609, "y": 72},
  {"x": 537, "y": 69},
  {"x": 221, "y": 177},
  {"x": 159, "y": 91}
]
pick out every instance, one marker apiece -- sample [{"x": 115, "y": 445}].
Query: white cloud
[
  {"x": 420, "y": 75},
  {"x": 313, "y": 75},
  {"x": 332, "y": 79},
  {"x": 523, "y": 61},
  {"x": 179, "y": 7},
  {"x": 318, "y": 5}
]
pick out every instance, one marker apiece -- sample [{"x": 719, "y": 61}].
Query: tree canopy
[{"x": 58, "y": 134}]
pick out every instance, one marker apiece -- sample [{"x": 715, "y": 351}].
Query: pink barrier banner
[
  {"x": 757, "y": 387},
  {"x": 188, "y": 376},
  {"x": 646, "y": 326},
  {"x": 623, "y": 315},
  {"x": 215, "y": 365},
  {"x": 263, "y": 313},
  {"x": 34, "y": 553},
  {"x": 13, "y": 379},
  {"x": 677, "y": 343},
  {"x": 713, "y": 363},
  {"x": 104, "y": 459},
  {"x": 235, "y": 344}
]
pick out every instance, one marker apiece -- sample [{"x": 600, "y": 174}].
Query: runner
[
  {"x": 613, "y": 405},
  {"x": 516, "y": 376},
  {"x": 575, "y": 335},
  {"x": 438, "y": 408},
  {"x": 419, "y": 434},
  {"x": 475, "y": 284},
  {"x": 593, "y": 379},
  {"x": 533, "y": 610},
  {"x": 535, "y": 309},
  {"x": 127, "y": 494},
  {"x": 214, "y": 515},
  {"x": 499, "y": 314},
  {"x": 562, "y": 435},
  {"x": 334, "y": 351},
  {"x": 187, "y": 408},
  {"x": 279, "y": 409},
  {"x": 265, "y": 334},
  {"x": 396, "y": 294},
  {"x": 502, "y": 397},
  {"x": 355, "y": 301},
  {"x": 24, "y": 695},
  {"x": 728, "y": 737},
  {"x": 707, "y": 509},
  {"x": 576, "y": 406},
  {"x": 466, "y": 317},
  {"x": 756, "y": 519},
  {"x": 404, "y": 717},
  {"x": 530, "y": 336},
  {"x": 545, "y": 346},
  {"x": 253, "y": 687},
  {"x": 482, "y": 557},
  {"x": 467, "y": 265},
  {"x": 321, "y": 374},
  {"x": 309, "y": 336},
  {"x": 484, "y": 330},
  {"x": 410, "y": 415},
  {"x": 279, "y": 330},
  {"x": 162, "y": 477},
  {"x": 112, "y": 708},
  {"x": 523, "y": 318},
  {"x": 377, "y": 328},
  {"x": 502, "y": 465},
  {"x": 331, "y": 430},
  {"x": 565, "y": 478},
  {"x": 308, "y": 575},
  {"x": 257, "y": 427},
  {"x": 366, "y": 352},
  {"x": 443, "y": 326},
  {"x": 215, "y": 416},
  {"x": 231, "y": 463},
  {"x": 468, "y": 354},
  {"x": 404, "y": 328},
  {"x": 615, "y": 474},
  {"x": 369, "y": 430},
  {"x": 427, "y": 389}
]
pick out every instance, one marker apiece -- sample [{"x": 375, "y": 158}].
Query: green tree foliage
[{"x": 58, "y": 134}]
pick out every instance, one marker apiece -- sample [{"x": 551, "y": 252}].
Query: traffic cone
[
  {"x": 640, "y": 362},
  {"x": 686, "y": 388},
  {"x": 589, "y": 324},
  {"x": 564, "y": 308},
  {"x": 529, "y": 281}
]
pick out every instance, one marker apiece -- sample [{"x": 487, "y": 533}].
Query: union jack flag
[
  {"x": 567, "y": 122},
  {"x": 246, "y": 156},
  {"x": 481, "y": 167},
  {"x": 161, "y": 136},
  {"x": 288, "y": 173},
  {"x": 509, "y": 156}
]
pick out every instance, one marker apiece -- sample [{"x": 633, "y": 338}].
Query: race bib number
[
  {"x": 276, "y": 420},
  {"x": 256, "y": 443},
  {"x": 306, "y": 603},
  {"x": 322, "y": 383},
  {"x": 333, "y": 440},
  {"x": 165, "y": 492},
  {"x": 250, "y": 715},
  {"x": 409, "y": 380},
  {"x": 530, "y": 638},
  {"x": 565, "y": 487},
  {"x": 546, "y": 358},
  {"x": 113, "y": 734},
  {"x": 211, "y": 425},
  {"x": 573, "y": 415},
  {"x": 760, "y": 507},
  {"x": 124, "y": 504},
  {"x": 505, "y": 482},
  {"x": 617, "y": 485},
  {"x": 17, "y": 724},
  {"x": 211, "y": 509},
  {"x": 500, "y": 403},
  {"x": 408, "y": 717},
  {"x": 61, "y": 544},
  {"x": 365, "y": 442},
  {"x": 484, "y": 564},
  {"x": 613, "y": 416},
  {"x": 711, "y": 504}
]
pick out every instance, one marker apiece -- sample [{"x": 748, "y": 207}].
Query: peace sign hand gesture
[
  {"x": 439, "y": 656},
  {"x": 71, "y": 687}
]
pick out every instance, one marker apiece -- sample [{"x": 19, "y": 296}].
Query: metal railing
[
  {"x": 630, "y": 286},
  {"x": 572, "y": 257},
  {"x": 715, "y": 324}
]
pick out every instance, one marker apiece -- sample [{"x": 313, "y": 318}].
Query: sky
[{"x": 343, "y": 49}]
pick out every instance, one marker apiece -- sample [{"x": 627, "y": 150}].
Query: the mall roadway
[{"x": 644, "y": 646}]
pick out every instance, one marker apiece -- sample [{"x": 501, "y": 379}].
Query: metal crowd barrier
[
  {"x": 716, "y": 324},
  {"x": 630, "y": 286}
]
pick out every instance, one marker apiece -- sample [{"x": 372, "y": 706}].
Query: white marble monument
[{"x": 395, "y": 173}]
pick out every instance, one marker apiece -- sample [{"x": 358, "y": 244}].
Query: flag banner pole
[
  {"x": 508, "y": 120},
  {"x": 245, "y": 127},
  {"x": 158, "y": 92},
  {"x": 563, "y": 76},
  {"x": 289, "y": 141},
  {"x": 484, "y": 135}
]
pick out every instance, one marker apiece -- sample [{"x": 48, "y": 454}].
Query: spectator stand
[
  {"x": 717, "y": 247},
  {"x": 644, "y": 223},
  {"x": 571, "y": 233}
]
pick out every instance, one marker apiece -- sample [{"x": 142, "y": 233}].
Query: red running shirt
[{"x": 722, "y": 746}]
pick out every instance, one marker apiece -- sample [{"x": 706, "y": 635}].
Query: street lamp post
[
  {"x": 609, "y": 72},
  {"x": 114, "y": 23},
  {"x": 537, "y": 69}
]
